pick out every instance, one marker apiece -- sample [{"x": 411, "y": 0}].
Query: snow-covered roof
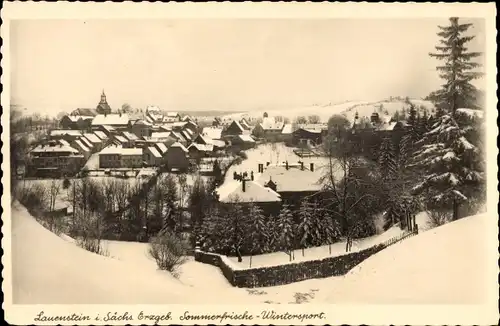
[
  {"x": 121, "y": 151},
  {"x": 121, "y": 139},
  {"x": 63, "y": 142},
  {"x": 54, "y": 149},
  {"x": 86, "y": 142},
  {"x": 172, "y": 114},
  {"x": 211, "y": 132},
  {"x": 111, "y": 119},
  {"x": 237, "y": 123},
  {"x": 254, "y": 192},
  {"x": 287, "y": 129},
  {"x": 155, "y": 152},
  {"x": 130, "y": 136},
  {"x": 293, "y": 179},
  {"x": 269, "y": 123},
  {"x": 81, "y": 145},
  {"x": 92, "y": 137},
  {"x": 62, "y": 132},
  {"x": 202, "y": 147},
  {"x": 100, "y": 134},
  {"x": 246, "y": 138},
  {"x": 161, "y": 134},
  {"x": 108, "y": 128},
  {"x": 161, "y": 147},
  {"x": 179, "y": 145},
  {"x": 178, "y": 135}
]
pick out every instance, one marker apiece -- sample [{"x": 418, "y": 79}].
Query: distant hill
[{"x": 364, "y": 109}]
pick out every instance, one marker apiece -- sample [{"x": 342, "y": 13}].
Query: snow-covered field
[
  {"x": 445, "y": 265},
  {"x": 434, "y": 267}
]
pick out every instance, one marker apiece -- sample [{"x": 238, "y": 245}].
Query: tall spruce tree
[
  {"x": 258, "y": 233},
  {"x": 457, "y": 70},
  {"x": 305, "y": 230},
  {"x": 286, "y": 224},
  {"x": 452, "y": 166},
  {"x": 387, "y": 159}
]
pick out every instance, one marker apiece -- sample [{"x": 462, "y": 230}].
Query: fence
[{"x": 293, "y": 272}]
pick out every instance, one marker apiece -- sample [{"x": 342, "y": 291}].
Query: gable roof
[
  {"x": 130, "y": 136},
  {"x": 111, "y": 119},
  {"x": 246, "y": 138},
  {"x": 293, "y": 179},
  {"x": 162, "y": 148},
  {"x": 80, "y": 144},
  {"x": 179, "y": 145},
  {"x": 92, "y": 138},
  {"x": 254, "y": 192},
  {"x": 100, "y": 134},
  {"x": 287, "y": 129},
  {"x": 86, "y": 142},
  {"x": 85, "y": 112},
  {"x": 154, "y": 151},
  {"x": 121, "y": 151},
  {"x": 270, "y": 123},
  {"x": 69, "y": 132},
  {"x": 238, "y": 125},
  {"x": 201, "y": 147}
]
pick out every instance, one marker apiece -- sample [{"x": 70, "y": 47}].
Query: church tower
[{"x": 103, "y": 106}]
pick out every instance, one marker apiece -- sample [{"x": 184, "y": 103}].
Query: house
[
  {"x": 68, "y": 135},
  {"x": 197, "y": 151},
  {"x": 77, "y": 122},
  {"x": 305, "y": 136},
  {"x": 191, "y": 126},
  {"x": 287, "y": 133},
  {"x": 293, "y": 181},
  {"x": 54, "y": 160},
  {"x": 117, "y": 121},
  {"x": 96, "y": 142},
  {"x": 269, "y": 128},
  {"x": 103, "y": 106},
  {"x": 153, "y": 114},
  {"x": 119, "y": 157},
  {"x": 250, "y": 192},
  {"x": 206, "y": 140},
  {"x": 119, "y": 140},
  {"x": 172, "y": 117},
  {"x": 234, "y": 129},
  {"x": 177, "y": 157},
  {"x": 141, "y": 128},
  {"x": 242, "y": 141},
  {"x": 82, "y": 148},
  {"x": 151, "y": 156},
  {"x": 179, "y": 137}
]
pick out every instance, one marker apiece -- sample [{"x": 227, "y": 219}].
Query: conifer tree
[
  {"x": 452, "y": 166},
  {"x": 257, "y": 233},
  {"x": 305, "y": 227},
  {"x": 387, "y": 159},
  {"x": 412, "y": 116},
  {"x": 457, "y": 70},
  {"x": 286, "y": 226}
]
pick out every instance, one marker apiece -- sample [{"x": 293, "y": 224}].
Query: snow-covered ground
[
  {"x": 433, "y": 267},
  {"x": 445, "y": 265}
]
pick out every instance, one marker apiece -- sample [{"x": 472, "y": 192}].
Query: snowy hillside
[
  {"x": 445, "y": 265},
  {"x": 364, "y": 108}
]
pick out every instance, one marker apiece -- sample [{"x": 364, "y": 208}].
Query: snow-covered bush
[
  {"x": 168, "y": 250},
  {"x": 88, "y": 229},
  {"x": 439, "y": 217}
]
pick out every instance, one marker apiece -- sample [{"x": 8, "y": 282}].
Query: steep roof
[
  {"x": 270, "y": 123},
  {"x": 56, "y": 148},
  {"x": 238, "y": 125},
  {"x": 92, "y": 137},
  {"x": 80, "y": 144},
  {"x": 61, "y": 132},
  {"x": 246, "y": 138},
  {"x": 254, "y": 192},
  {"x": 130, "y": 136},
  {"x": 161, "y": 147},
  {"x": 202, "y": 147},
  {"x": 179, "y": 145},
  {"x": 155, "y": 152},
  {"x": 287, "y": 129},
  {"x": 100, "y": 134},
  {"x": 111, "y": 119}
]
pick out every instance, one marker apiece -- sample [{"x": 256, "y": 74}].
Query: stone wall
[{"x": 291, "y": 272}]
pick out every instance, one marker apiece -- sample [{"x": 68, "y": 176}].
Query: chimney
[
  {"x": 267, "y": 163},
  {"x": 243, "y": 184},
  {"x": 235, "y": 175},
  {"x": 286, "y": 165},
  {"x": 311, "y": 167},
  {"x": 302, "y": 165},
  {"x": 251, "y": 175}
]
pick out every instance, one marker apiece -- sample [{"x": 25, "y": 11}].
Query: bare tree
[{"x": 54, "y": 190}]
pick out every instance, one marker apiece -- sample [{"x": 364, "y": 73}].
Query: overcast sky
[{"x": 221, "y": 64}]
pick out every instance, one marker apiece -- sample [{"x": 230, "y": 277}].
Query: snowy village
[{"x": 118, "y": 202}]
